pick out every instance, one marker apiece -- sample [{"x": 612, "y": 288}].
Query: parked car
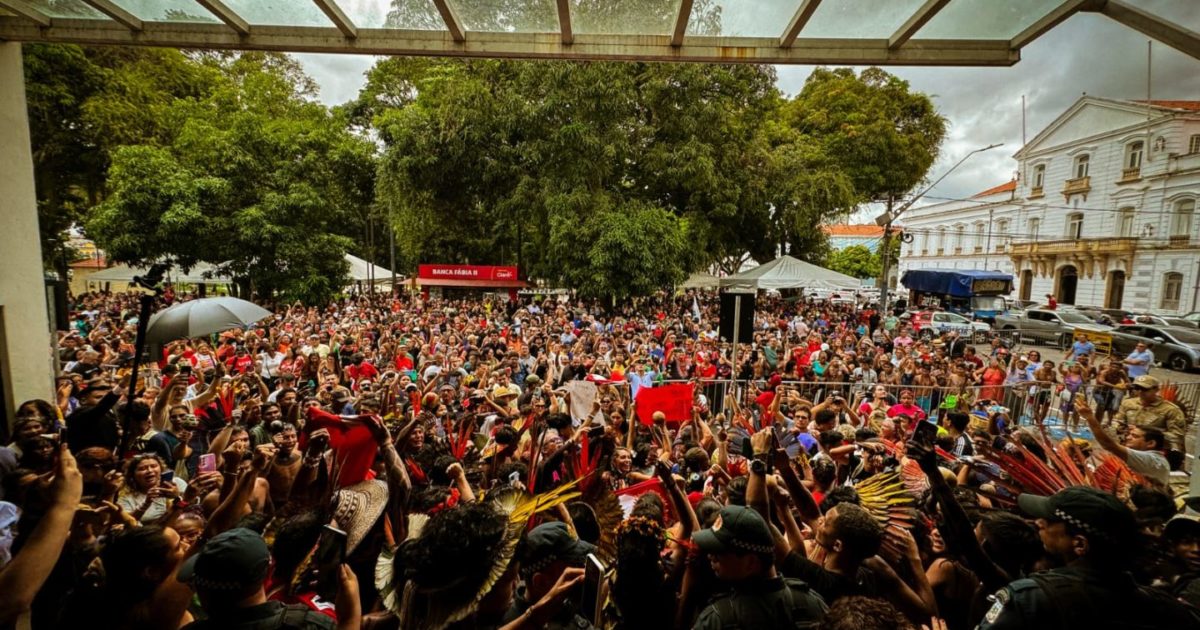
[
  {"x": 1151, "y": 319},
  {"x": 1175, "y": 347},
  {"x": 1054, "y": 327},
  {"x": 928, "y": 324}
]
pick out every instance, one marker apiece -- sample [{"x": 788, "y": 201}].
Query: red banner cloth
[
  {"x": 674, "y": 400},
  {"x": 353, "y": 445}
]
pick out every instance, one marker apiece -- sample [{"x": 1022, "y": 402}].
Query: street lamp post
[{"x": 887, "y": 218}]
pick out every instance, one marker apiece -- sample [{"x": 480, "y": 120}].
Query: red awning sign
[{"x": 468, "y": 276}]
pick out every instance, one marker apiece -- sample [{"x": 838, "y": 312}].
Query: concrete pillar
[{"x": 25, "y": 339}]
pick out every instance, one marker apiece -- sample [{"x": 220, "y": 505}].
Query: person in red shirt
[
  {"x": 241, "y": 362},
  {"x": 1051, "y": 303},
  {"x": 360, "y": 369}
]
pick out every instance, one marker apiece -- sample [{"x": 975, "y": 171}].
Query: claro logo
[{"x": 504, "y": 274}]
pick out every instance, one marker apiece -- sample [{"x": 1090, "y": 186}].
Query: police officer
[
  {"x": 1092, "y": 533},
  {"x": 742, "y": 553},
  {"x": 549, "y": 551}
]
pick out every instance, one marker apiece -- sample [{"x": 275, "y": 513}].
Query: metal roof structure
[{"x": 846, "y": 32}]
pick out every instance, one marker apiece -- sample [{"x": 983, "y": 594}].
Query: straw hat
[{"x": 358, "y": 508}]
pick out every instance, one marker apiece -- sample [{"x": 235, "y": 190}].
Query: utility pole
[
  {"x": 392, "y": 259},
  {"x": 888, "y": 217},
  {"x": 885, "y": 255}
]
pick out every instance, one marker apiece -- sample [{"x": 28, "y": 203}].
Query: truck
[
  {"x": 973, "y": 293},
  {"x": 1056, "y": 327}
]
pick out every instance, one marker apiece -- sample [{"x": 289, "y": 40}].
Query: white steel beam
[
  {"x": 915, "y": 22},
  {"x": 226, "y": 15},
  {"x": 799, "y": 20},
  {"x": 1047, "y": 22},
  {"x": 1169, "y": 33},
  {"x": 451, "y": 19},
  {"x": 681, "y": 22},
  {"x": 24, "y": 10},
  {"x": 335, "y": 14},
  {"x": 564, "y": 22},
  {"x": 627, "y": 47}
]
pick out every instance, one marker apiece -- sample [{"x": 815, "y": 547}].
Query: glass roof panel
[
  {"x": 860, "y": 19},
  {"x": 634, "y": 17},
  {"x": 985, "y": 19},
  {"x": 508, "y": 16},
  {"x": 741, "y": 18},
  {"x": 167, "y": 10},
  {"x": 75, "y": 9},
  {"x": 419, "y": 15},
  {"x": 280, "y": 12}
]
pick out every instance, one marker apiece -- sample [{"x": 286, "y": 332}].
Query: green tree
[
  {"x": 882, "y": 134},
  {"x": 253, "y": 176},
  {"x": 857, "y": 261}
]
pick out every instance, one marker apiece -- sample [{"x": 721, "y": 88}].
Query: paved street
[{"x": 1056, "y": 355}]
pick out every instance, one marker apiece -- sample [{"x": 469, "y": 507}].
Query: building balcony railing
[
  {"x": 1036, "y": 191},
  {"x": 1076, "y": 246},
  {"x": 1130, "y": 175},
  {"x": 979, "y": 249},
  {"x": 958, "y": 250},
  {"x": 940, "y": 251},
  {"x": 924, "y": 252},
  {"x": 1178, "y": 240},
  {"x": 1000, "y": 247},
  {"x": 1077, "y": 185}
]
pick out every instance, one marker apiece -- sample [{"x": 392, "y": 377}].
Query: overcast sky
[{"x": 1089, "y": 53}]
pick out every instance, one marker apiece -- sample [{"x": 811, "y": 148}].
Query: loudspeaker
[
  {"x": 746, "y": 325},
  {"x": 56, "y": 302}
]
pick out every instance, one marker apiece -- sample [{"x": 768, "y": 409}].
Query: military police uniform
[
  {"x": 1091, "y": 593},
  {"x": 758, "y": 602},
  {"x": 1162, "y": 415}
]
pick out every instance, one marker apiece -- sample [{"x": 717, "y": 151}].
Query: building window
[
  {"x": 941, "y": 240},
  {"x": 1172, "y": 288},
  {"x": 980, "y": 236},
  {"x": 1075, "y": 225},
  {"x": 1134, "y": 151},
  {"x": 1081, "y": 166},
  {"x": 1181, "y": 219},
  {"x": 1194, "y": 144},
  {"x": 1034, "y": 224},
  {"x": 959, "y": 232},
  {"x": 1125, "y": 223},
  {"x": 1001, "y": 234},
  {"x": 1039, "y": 178}
]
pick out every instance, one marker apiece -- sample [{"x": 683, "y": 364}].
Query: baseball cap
[
  {"x": 1144, "y": 381},
  {"x": 1095, "y": 512},
  {"x": 549, "y": 542},
  {"x": 1181, "y": 525},
  {"x": 231, "y": 561},
  {"x": 737, "y": 528},
  {"x": 533, "y": 379}
]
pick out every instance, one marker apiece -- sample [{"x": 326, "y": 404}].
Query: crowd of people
[{"x": 473, "y": 462}]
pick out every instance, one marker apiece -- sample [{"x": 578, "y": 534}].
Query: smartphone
[
  {"x": 208, "y": 463},
  {"x": 591, "y": 602},
  {"x": 327, "y": 561},
  {"x": 925, "y": 433},
  {"x": 168, "y": 476}
]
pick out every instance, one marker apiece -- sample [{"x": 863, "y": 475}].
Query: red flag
[{"x": 674, "y": 400}]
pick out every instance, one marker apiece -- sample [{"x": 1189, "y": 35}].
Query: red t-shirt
[{"x": 361, "y": 371}]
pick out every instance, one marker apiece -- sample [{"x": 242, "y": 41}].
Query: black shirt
[{"x": 831, "y": 586}]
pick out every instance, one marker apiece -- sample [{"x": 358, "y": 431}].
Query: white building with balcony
[{"x": 1103, "y": 212}]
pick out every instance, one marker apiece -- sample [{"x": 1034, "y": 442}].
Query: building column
[{"x": 25, "y": 341}]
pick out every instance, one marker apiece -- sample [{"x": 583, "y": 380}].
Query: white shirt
[{"x": 1149, "y": 464}]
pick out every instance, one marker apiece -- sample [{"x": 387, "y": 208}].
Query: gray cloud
[{"x": 1088, "y": 53}]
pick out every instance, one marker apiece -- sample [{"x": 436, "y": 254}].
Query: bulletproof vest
[
  {"x": 1081, "y": 604},
  {"x": 794, "y": 606}
]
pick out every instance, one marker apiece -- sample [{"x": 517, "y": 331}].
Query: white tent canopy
[
  {"x": 786, "y": 272},
  {"x": 200, "y": 273},
  {"x": 362, "y": 271},
  {"x": 701, "y": 280}
]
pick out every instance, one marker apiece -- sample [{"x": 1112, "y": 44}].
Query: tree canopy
[{"x": 615, "y": 179}]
